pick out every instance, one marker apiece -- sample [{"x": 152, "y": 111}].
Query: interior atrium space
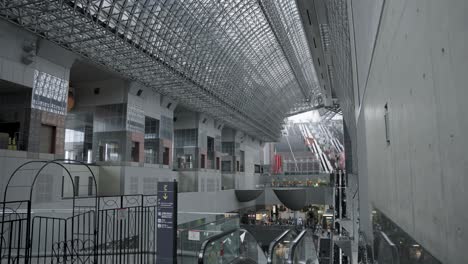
[{"x": 233, "y": 131}]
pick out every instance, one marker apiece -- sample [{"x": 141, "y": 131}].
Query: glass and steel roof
[{"x": 245, "y": 62}]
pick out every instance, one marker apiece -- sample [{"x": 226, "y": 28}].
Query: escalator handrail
[
  {"x": 247, "y": 258},
  {"x": 294, "y": 244},
  {"x": 205, "y": 243},
  {"x": 247, "y": 231},
  {"x": 274, "y": 243}
]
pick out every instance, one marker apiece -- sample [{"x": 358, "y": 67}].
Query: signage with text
[{"x": 167, "y": 223}]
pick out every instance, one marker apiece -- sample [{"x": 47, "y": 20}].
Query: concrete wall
[
  {"x": 112, "y": 91},
  {"x": 419, "y": 69},
  {"x": 201, "y": 180},
  {"x": 186, "y": 120},
  {"x": 253, "y": 155},
  {"x": 13, "y": 69},
  {"x": 48, "y": 187},
  {"x": 367, "y": 16},
  {"x": 212, "y": 202}
]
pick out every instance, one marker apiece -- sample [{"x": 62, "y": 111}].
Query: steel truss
[{"x": 244, "y": 62}]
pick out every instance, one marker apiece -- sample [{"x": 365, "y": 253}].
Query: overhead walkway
[
  {"x": 298, "y": 198},
  {"x": 295, "y": 192}
]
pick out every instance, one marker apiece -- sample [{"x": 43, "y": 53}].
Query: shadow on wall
[{"x": 393, "y": 245}]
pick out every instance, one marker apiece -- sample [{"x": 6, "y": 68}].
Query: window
[
  {"x": 151, "y": 140},
  {"x": 166, "y": 156},
  {"x": 202, "y": 162},
  {"x": 135, "y": 151},
  {"x": 387, "y": 125},
  {"x": 228, "y": 148},
  {"x": 242, "y": 161},
  {"x": 186, "y": 138},
  {"x": 47, "y": 139},
  {"x": 226, "y": 166},
  {"x": 111, "y": 151},
  {"x": 211, "y": 152},
  {"x": 76, "y": 186},
  {"x": 237, "y": 166},
  {"x": 90, "y": 186},
  {"x": 185, "y": 162},
  {"x": 217, "y": 163},
  {"x": 166, "y": 127},
  {"x": 257, "y": 168}
]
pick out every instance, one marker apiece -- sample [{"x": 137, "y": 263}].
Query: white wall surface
[
  {"x": 209, "y": 128},
  {"x": 49, "y": 181},
  {"x": 186, "y": 120},
  {"x": 151, "y": 104},
  {"x": 12, "y": 69},
  {"x": 211, "y": 202},
  {"x": 420, "y": 68},
  {"x": 366, "y": 14}
]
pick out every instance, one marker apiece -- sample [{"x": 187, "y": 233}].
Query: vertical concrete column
[
  {"x": 36, "y": 73},
  {"x": 166, "y": 131}
]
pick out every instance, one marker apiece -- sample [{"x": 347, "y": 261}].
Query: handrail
[
  {"x": 294, "y": 244},
  {"x": 247, "y": 231},
  {"x": 274, "y": 243},
  {"x": 205, "y": 243},
  {"x": 243, "y": 258},
  {"x": 210, "y": 223}
]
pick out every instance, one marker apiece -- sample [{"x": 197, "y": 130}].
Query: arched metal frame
[
  {"x": 243, "y": 62},
  {"x": 57, "y": 162},
  {"x": 47, "y": 163}
]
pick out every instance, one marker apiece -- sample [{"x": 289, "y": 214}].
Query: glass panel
[
  {"x": 191, "y": 236},
  {"x": 303, "y": 249},
  {"x": 223, "y": 250},
  {"x": 49, "y": 93},
  {"x": 228, "y": 148},
  {"x": 250, "y": 249},
  {"x": 392, "y": 244},
  {"x": 280, "y": 252},
  {"x": 151, "y": 140},
  {"x": 166, "y": 127}
]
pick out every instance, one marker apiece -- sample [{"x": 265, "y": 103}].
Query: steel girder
[{"x": 244, "y": 62}]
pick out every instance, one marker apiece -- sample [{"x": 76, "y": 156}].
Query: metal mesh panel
[
  {"x": 340, "y": 50},
  {"x": 244, "y": 62},
  {"x": 337, "y": 33}
]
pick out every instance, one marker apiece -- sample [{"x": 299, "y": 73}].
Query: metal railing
[
  {"x": 122, "y": 230},
  {"x": 277, "y": 247},
  {"x": 234, "y": 245},
  {"x": 302, "y": 249},
  {"x": 15, "y": 228}
]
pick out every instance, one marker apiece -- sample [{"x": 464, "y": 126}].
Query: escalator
[
  {"x": 242, "y": 260},
  {"x": 279, "y": 248},
  {"x": 233, "y": 246},
  {"x": 238, "y": 245},
  {"x": 303, "y": 249}
]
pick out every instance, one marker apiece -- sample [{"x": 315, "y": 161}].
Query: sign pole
[{"x": 167, "y": 223}]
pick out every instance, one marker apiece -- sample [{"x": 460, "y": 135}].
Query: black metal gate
[
  {"x": 93, "y": 229},
  {"x": 127, "y": 232},
  {"x": 14, "y": 242}
]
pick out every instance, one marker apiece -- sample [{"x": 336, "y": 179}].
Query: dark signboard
[{"x": 167, "y": 223}]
